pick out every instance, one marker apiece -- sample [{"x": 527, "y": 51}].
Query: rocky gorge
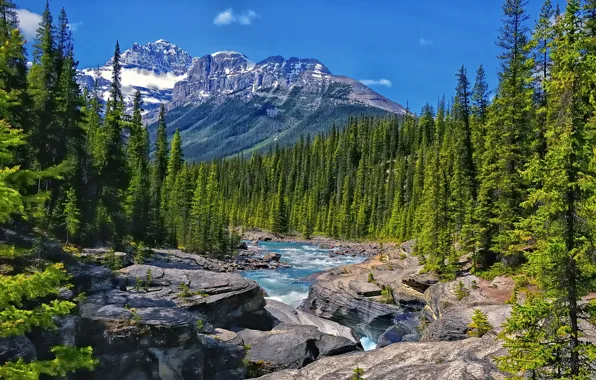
[{"x": 183, "y": 316}]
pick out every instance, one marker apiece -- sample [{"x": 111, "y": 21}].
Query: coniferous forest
[{"x": 505, "y": 176}]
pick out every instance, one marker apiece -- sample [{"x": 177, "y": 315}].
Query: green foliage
[
  {"x": 544, "y": 335},
  {"x": 200, "y": 325},
  {"x": 371, "y": 278},
  {"x": 72, "y": 214},
  {"x": 66, "y": 360},
  {"x": 480, "y": 325},
  {"x": 135, "y": 318},
  {"x": 460, "y": 291},
  {"x": 358, "y": 373},
  {"x": 387, "y": 295}
]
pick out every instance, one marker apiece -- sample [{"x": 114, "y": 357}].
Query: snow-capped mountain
[
  {"x": 225, "y": 103},
  {"x": 231, "y": 73},
  {"x": 153, "y": 68}
]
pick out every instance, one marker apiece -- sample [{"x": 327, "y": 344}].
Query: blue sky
[{"x": 409, "y": 50}]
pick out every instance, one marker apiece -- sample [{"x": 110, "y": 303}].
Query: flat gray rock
[
  {"x": 469, "y": 359},
  {"x": 289, "y": 315},
  {"x": 366, "y": 289}
]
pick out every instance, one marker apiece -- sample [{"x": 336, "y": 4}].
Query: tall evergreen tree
[
  {"x": 544, "y": 336},
  {"x": 507, "y": 141},
  {"x": 159, "y": 170},
  {"x": 168, "y": 195},
  {"x": 112, "y": 161},
  {"x": 138, "y": 193}
]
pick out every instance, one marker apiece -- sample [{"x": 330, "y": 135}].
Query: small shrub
[
  {"x": 387, "y": 295},
  {"x": 135, "y": 318},
  {"x": 113, "y": 262},
  {"x": 402, "y": 256},
  {"x": 474, "y": 284},
  {"x": 390, "y": 266},
  {"x": 358, "y": 373},
  {"x": 461, "y": 292},
  {"x": 148, "y": 279},
  {"x": 71, "y": 250},
  {"x": 200, "y": 325},
  {"x": 185, "y": 292},
  {"x": 138, "y": 284},
  {"x": 371, "y": 278},
  {"x": 139, "y": 253},
  {"x": 254, "y": 369},
  {"x": 479, "y": 326}
]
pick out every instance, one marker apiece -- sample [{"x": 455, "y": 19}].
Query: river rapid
[{"x": 288, "y": 285}]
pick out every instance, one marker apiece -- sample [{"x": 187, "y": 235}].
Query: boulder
[
  {"x": 106, "y": 256},
  {"x": 290, "y": 346},
  {"x": 453, "y": 323},
  {"x": 335, "y": 301},
  {"x": 470, "y": 359},
  {"x": 242, "y": 245},
  {"x": 272, "y": 257},
  {"x": 15, "y": 347},
  {"x": 287, "y": 314},
  {"x": 224, "y": 299},
  {"x": 155, "y": 321},
  {"x": 225, "y": 354}
]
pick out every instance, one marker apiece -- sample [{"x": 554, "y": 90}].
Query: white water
[{"x": 287, "y": 285}]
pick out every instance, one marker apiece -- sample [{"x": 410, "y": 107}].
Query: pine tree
[
  {"x": 175, "y": 163},
  {"x": 561, "y": 226},
  {"x": 112, "y": 166},
  {"x": 480, "y": 104},
  {"x": 507, "y": 139},
  {"x": 158, "y": 174},
  {"x": 72, "y": 215},
  {"x": 138, "y": 193}
]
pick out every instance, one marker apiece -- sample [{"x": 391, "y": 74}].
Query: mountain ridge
[{"x": 256, "y": 101}]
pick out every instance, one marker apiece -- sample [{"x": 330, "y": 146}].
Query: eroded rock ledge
[{"x": 467, "y": 359}]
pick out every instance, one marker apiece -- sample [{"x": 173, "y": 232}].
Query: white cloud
[
  {"x": 28, "y": 22},
  {"x": 377, "y": 82},
  {"x": 225, "y": 18},
  {"x": 228, "y": 17},
  {"x": 247, "y": 17},
  {"x": 425, "y": 42},
  {"x": 75, "y": 25}
]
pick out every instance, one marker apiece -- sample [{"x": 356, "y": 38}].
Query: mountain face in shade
[{"x": 224, "y": 103}]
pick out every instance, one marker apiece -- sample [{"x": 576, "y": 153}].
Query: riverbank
[{"x": 335, "y": 246}]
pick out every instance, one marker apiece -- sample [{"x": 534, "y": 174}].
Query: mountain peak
[{"x": 160, "y": 57}]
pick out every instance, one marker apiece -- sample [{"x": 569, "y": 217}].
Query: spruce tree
[
  {"x": 175, "y": 163},
  {"x": 507, "y": 141},
  {"x": 138, "y": 192},
  {"x": 544, "y": 335},
  {"x": 112, "y": 169},
  {"x": 159, "y": 170}
]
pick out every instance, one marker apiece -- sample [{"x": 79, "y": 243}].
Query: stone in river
[{"x": 272, "y": 257}]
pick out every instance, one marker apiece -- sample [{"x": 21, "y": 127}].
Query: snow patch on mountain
[{"x": 166, "y": 74}]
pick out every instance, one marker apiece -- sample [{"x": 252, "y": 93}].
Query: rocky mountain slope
[{"x": 224, "y": 103}]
